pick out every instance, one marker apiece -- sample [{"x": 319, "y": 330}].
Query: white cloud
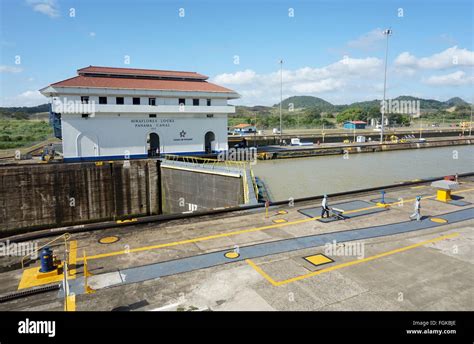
[
  {"x": 351, "y": 74},
  {"x": 368, "y": 40},
  {"x": 451, "y": 57},
  {"x": 325, "y": 85},
  {"x": 92, "y": 34},
  {"x": 27, "y": 98},
  {"x": 47, "y": 7},
  {"x": 10, "y": 69},
  {"x": 458, "y": 78},
  {"x": 239, "y": 78}
]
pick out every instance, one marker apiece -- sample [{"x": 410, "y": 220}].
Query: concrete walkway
[{"x": 202, "y": 261}]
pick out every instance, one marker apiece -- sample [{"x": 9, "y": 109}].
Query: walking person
[
  {"x": 417, "y": 209},
  {"x": 324, "y": 207}
]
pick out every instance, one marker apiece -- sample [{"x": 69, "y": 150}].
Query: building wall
[
  {"x": 111, "y": 135},
  {"x": 128, "y": 99}
]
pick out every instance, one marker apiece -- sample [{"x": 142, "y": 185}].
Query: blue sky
[{"x": 331, "y": 49}]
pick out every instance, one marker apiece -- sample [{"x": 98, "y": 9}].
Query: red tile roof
[
  {"x": 140, "y": 72},
  {"x": 146, "y": 79}
]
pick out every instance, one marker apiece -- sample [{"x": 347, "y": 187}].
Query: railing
[
  {"x": 246, "y": 187},
  {"x": 64, "y": 236},
  {"x": 254, "y": 182},
  {"x": 207, "y": 162}
]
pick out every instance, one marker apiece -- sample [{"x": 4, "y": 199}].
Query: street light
[
  {"x": 281, "y": 95},
  {"x": 470, "y": 123},
  {"x": 387, "y": 33}
]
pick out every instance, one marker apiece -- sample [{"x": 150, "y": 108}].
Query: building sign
[{"x": 152, "y": 122}]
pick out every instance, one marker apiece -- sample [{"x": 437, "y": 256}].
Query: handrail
[
  {"x": 66, "y": 237},
  {"x": 203, "y": 161},
  {"x": 246, "y": 187},
  {"x": 254, "y": 182}
]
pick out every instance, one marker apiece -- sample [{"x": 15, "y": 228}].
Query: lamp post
[
  {"x": 255, "y": 133},
  {"x": 470, "y": 123},
  {"x": 281, "y": 97},
  {"x": 387, "y": 33}
]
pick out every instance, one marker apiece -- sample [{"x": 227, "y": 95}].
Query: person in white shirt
[
  {"x": 417, "y": 209},
  {"x": 324, "y": 207}
]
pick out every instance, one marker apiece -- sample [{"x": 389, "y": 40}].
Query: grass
[{"x": 23, "y": 133}]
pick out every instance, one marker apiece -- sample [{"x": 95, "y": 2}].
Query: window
[
  {"x": 208, "y": 102},
  {"x": 152, "y": 115},
  {"x": 210, "y": 115},
  {"x": 152, "y": 101},
  {"x": 102, "y": 100},
  {"x": 85, "y": 115},
  {"x": 85, "y": 100},
  {"x": 119, "y": 100},
  {"x": 195, "y": 102},
  {"x": 136, "y": 101},
  {"x": 182, "y": 101}
]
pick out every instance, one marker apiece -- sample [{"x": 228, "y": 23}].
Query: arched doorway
[
  {"x": 87, "y": 145},
  {"x": 208, "y": 142},
  {"x": 153, "y": 145}
]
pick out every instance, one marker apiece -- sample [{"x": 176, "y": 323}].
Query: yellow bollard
[
  {"x": 87, "y": 289},
  {"x": 443, "y": 195}
]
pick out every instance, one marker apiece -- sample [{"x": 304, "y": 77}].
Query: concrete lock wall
[
  {"x": 57, "y": 194},
  {"x": 50, "y": 195},
  {"x": 187, "y": 190}
]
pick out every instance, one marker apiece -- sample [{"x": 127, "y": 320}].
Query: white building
[{"x": 121, "y": 113}]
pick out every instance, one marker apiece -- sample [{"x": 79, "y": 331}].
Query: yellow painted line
[
  {"x": 238, "y": 232},
  {"x": 261, "y": 272},
  {"x": 343, "y": 265},
  {"x": 126, "y": 221},
  {"x": 70, "y": 305},
  {"x": 419, "y": 187}
]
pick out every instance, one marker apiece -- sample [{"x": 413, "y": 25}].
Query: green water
[{"x": 328, "y": 174}]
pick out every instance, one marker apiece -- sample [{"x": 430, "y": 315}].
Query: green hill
[
  {"x": 306, "y": 102},
  {"x": 24, "y": 112},
  {"x": 456, "y": 101}
]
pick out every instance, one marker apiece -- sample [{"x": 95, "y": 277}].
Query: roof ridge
[{"x": 141, "y": 69}]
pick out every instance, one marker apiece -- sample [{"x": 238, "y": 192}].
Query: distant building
[
  {"x": 124, "y": 113},
  {"x": 355, "y": 125},
  {"x": 243, "y": 129}
]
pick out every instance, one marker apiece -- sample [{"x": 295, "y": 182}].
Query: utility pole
[
  {"x": 387, "y": 33},
  {"x": 255, "y": 133},
  {"x": 281, "y": 97},
  {"x": 470, "y": 123},
  {"x": 421, "y": 126}
]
